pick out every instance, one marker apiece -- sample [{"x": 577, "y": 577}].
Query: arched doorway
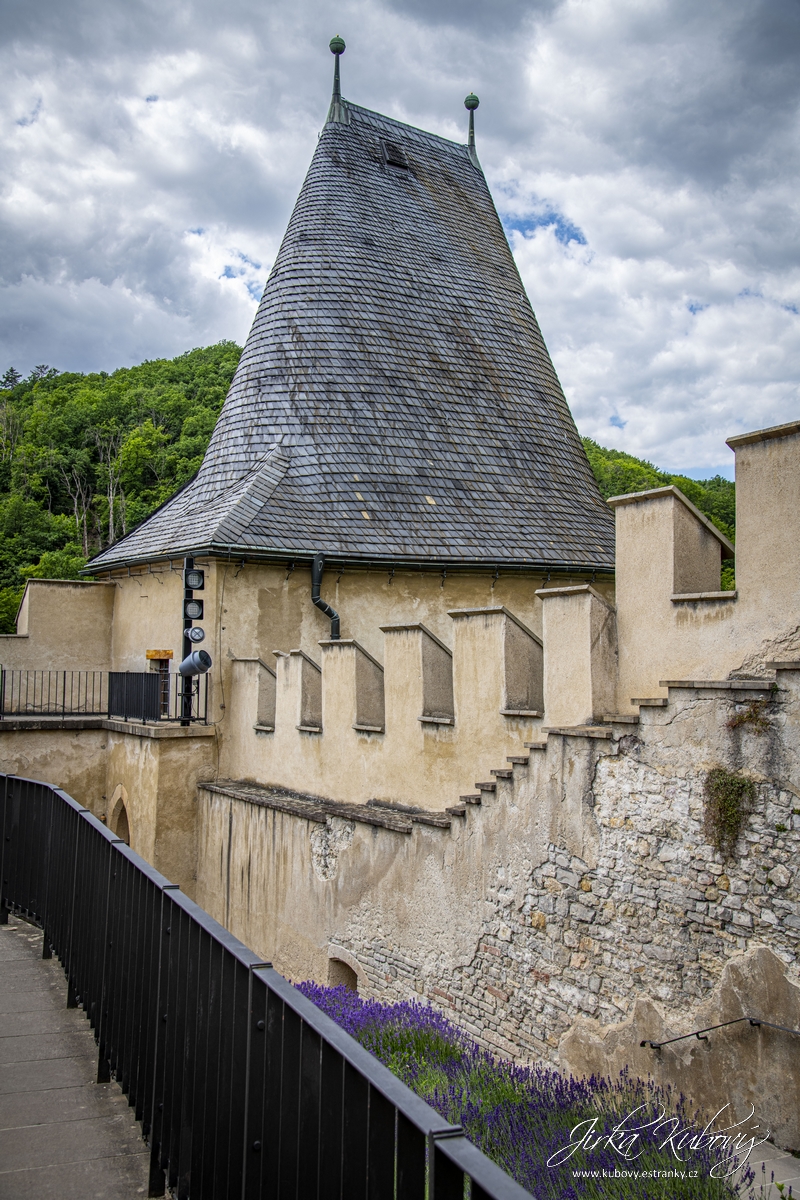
[{"x": 341, "y": 975}]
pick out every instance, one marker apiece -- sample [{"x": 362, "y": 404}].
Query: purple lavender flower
[{"x": 523, "y": 1116}]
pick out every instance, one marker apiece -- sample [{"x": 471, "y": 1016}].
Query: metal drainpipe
[{"x": 317, "y": 564}]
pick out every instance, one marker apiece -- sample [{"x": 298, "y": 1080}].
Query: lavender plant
[{"x": 524, "y": 1116}]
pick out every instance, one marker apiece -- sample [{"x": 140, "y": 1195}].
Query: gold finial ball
[
  {"x": 337, "y": 45},
  {"x": 471, "y": 101}
]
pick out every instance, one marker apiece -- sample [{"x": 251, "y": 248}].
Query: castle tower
[{"x": 395, "y": 402}]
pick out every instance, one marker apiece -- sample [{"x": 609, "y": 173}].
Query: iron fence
[
  {"x": 244, "y": 1088},
  {"x": 132, "y": 695},
  {"x": 53, "y": 693},
  {"x": 156, "y": 696}
]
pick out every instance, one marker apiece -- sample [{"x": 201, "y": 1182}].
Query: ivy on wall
[{"x": 728, "y": 799}]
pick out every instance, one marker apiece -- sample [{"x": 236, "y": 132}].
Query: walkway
[{"x": 61, "y": 1134}]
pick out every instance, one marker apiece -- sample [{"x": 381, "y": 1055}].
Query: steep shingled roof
[{"x": 395, "y": 400}]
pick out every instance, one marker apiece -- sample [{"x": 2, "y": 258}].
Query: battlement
[{"x": 412, "y": 729}]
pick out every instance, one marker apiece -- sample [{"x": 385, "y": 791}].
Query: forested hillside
[
  {"x": 619, "y": 474},
  {"x": 84, "y": 458}
]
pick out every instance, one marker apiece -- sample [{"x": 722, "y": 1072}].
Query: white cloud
[{"x": 644, "y": 153}]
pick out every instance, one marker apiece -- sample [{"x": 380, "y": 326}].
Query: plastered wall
[
  {"x": 672, "y": 621},
  {"x": 584, "y": 884}
]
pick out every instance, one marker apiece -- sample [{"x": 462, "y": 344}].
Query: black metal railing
[
  {"x": 53, "y": 693},
  {"x": 155, "y": 696},
  {"x": 131, "y": 695},
  {"x": 700, "y": 1034},
  {"x": 243, "y": 1087}
]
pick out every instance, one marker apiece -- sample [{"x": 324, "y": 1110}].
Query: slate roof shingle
[{"x": 395, "y": 400}]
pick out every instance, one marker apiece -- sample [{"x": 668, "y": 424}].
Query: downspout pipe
[{"x": 317, "y": 565}]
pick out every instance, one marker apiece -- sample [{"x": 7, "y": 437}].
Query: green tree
[{"x": 619, "y": 474}]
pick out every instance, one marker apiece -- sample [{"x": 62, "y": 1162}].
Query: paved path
[
  {"x": 785, "y": 1168},
  {"x": 61, "y": 1134}
]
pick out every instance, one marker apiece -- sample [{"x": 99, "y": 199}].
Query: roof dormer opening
[{"x": 394, "y": 155}]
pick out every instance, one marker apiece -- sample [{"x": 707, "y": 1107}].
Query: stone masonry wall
[{"x": 657, "y": 911}]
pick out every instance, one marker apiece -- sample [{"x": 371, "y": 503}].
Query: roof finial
[
  {"x": 472, "y": 103},
  {"x": 337, "y": 111}
]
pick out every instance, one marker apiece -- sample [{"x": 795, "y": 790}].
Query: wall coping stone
[
  {"x": 332, "y": 642},
  {"x": 297, "y": 654},
  {"x": 411, "y": 628},
  {"x": 661, "y": 494},
  {"x": 763, "y": 435},
  {"x": 260, "y": 662},
  {"x": 494, "y": 610},
  {"x": 574, "y": 590},
  {"x": 398, "y": 818}
]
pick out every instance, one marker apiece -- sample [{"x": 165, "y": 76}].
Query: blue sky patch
[
  {"x": 617, "y": 422},
  {"x": 695, "y": 308},
  {"x": 32, "y": 116},
  {"x": 565, "y": 230}
]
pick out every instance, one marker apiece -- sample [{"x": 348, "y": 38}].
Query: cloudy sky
[{"x": 643, "y": 154}]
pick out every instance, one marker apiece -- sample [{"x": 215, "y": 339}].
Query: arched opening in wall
[
  {"x": 117, "y": 819},
  {"x": 340, "y": 975},
  {"x": 121, "y": 828}
]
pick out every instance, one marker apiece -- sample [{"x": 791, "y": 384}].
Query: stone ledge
[
  {"x": 587, "y": 731},
  {"x": 159, "y": 732},
  {"x": 31, "y": 724},
  {"x": 133, "y": 728},
  {"x": 691, "y": 597},
  {"x": 308, "y": 807},
  {"x": 716, "y": 685}
]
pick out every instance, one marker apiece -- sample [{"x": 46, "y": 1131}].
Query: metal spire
[
  {"x": 471, "y": 103},
  {"x": 337, "y": 110}
]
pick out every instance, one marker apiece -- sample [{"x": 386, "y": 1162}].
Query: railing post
[
  {"x": 72, "y": 999},
  {"x": 157, "y": 1180}
]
